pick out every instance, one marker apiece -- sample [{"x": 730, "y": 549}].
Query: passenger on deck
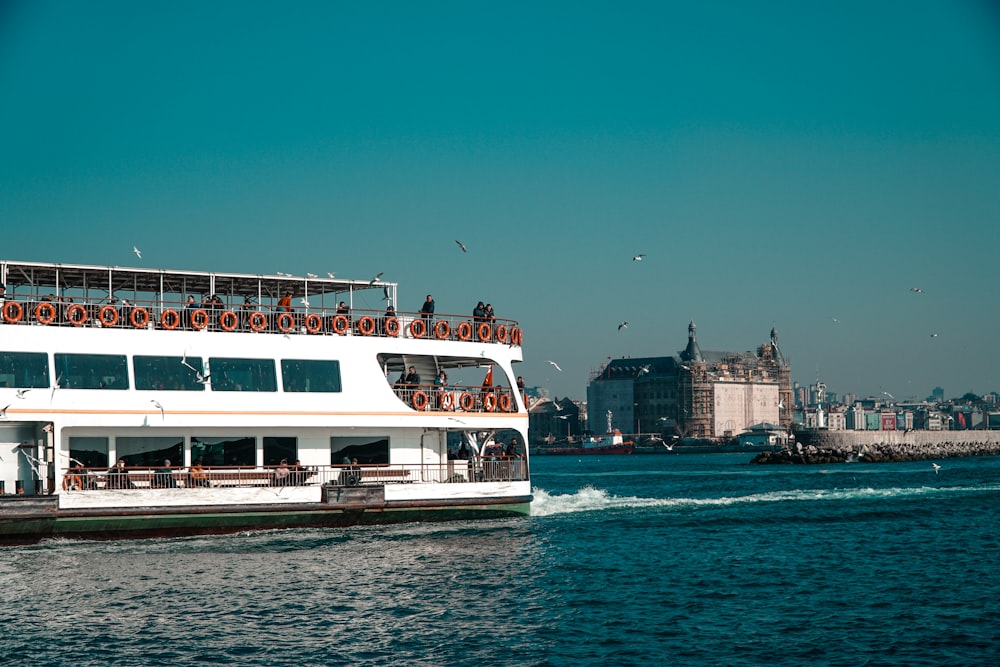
[
  {"x": 479, "y": 313},
  {"x": 513, "y": 449},
  {"x": 520, "y": 388},
  {"x": 441, "y": 387},
  {"x": 245, "y": 311},
  {"x": 427, "y": 310},
  {"x": 197, "y": 475},
  {"x": 285, "y": 302},
  {"x": 411, "y": 382},
  {"x": 298, "y": 476},
  {"x": 118, "y": 477},
  {"x": 390, "y": 311},
  {"x": 189, "y": 308},
  {"x": 281, "y": 474},
  {"x": 489, "y": 316},
  {"x": 163, "y": 478}
]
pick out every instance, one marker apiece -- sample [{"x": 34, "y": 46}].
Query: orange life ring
[
  {"x": 12, "y": 312},
  {"x": 72, "y": 483},
  {"x": 418, "y": 328},
  {"x": 139, "y": 317},
  {"x": 466, "y": 401},
  {"x": 228, "y": 320},
  {"x": 505, "y": 402},
  {"x": 391, "y": 326},
  {"x": 490, "y": 402},
  {"x": 50, "y": 313},
  {"x": 199, "y": 319},
  {"x": 442, "y": 330},
  {"x": 447, "y": 400},
  {"x": 464, "y": 330},
  {"x": 285, "y": 322},
  {"x": 258, "y": 321},
  {"x": 419, "y": 400},
  {"x": 169, "y": 319},
  {"x": 484, "y": 332},
  {"x": 76, "y": 314},
  {"x": 516, "y": 336},
  {"x": 501, "y": 332},
  {"x": 108, "y": 316},
  {"x": 340, "y": 324},
  {"x": 314, "y": 323},
  {"x": 366, "y": 325}
]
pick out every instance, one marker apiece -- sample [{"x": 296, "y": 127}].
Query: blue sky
[{"x": 780, "y": 165}]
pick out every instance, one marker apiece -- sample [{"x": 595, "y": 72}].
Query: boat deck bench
[{"x": 217, "y": 478}]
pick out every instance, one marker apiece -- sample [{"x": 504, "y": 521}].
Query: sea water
[{"x": 673, "y": 559}]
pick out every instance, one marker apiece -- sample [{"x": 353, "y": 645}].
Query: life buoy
[
  {"x": 108, "y": 316},
  {"x": 447, "y": 400},
  {"x": 442, "y": 330},
  {"x": 12, "y": 312},
  {"x": 72, "y": 483},
  {"x": 464, "y": 330},
  {"x": 314, "y": 323},
  {"x": 505, "y": 402},
  {"x": 466, "y": 401},
  {"x": 516, "y": 336},
  {"x": 170, "y": 319},
  {"x": 419, "y": 400},
  {"x": 49, "y": 313},
  {"x": 490, "y": 402},
  {"x": 139, "y": 317},
  {"x": 285, "y": 322},
  {"x": 76, "y": 314},
  {"x": 258, "y": 321},
  {"x": 391, "y": 326},
  {"x": 340, "y": 324},
  {"x": 484, "y": 332},
  {"x": 418, "y": 328},
  {"x": 366, "y": 325},
  {"x": 199, "y": 319},
  {"x": 353, "y": 480},
  {"x": 501, "y": 332},
  {"x": 228, "y": 320}
]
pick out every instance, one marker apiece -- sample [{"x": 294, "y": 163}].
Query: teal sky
[{"x": 801, "y": 165}]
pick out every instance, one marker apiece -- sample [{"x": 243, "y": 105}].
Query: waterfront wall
[{"x": 879, "y": 446}]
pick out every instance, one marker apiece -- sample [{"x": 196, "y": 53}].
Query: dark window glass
[
  {"x": 310, "y": 375},
  {"x": 278, "y": 448},
  {"x": 24, "y": 369},
  {"x": 91, "y": 451},
  {"x": 242, "y": 374},
  {"x": 167, "y": 373},
  {"x": 150, "y": 451},
  {"x": 225, "y": 451},
  {"x": 366, "y": 449},
  {"x": 92, "y": 371}
]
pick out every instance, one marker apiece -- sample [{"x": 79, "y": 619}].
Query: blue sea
[{"x": 673, "y": 559}]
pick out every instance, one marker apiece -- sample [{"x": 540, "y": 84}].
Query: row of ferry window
[{"x": 27, "y": 370}]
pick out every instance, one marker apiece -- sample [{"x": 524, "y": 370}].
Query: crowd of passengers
[{"x": 166, "y": 476}]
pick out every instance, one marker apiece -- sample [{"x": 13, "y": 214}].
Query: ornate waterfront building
[{"x": 695, "y": 394}]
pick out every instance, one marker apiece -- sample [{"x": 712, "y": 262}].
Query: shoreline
[{"x": 819, "y": 447}]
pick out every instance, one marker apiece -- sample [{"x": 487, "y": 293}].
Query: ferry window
[
  {"x": 242, "y": 374},
  {"x": 91, "y": 451},
  {"x": 310, "y": 375},
  {"x": 167, "y": 373},
  {"x": 150, "y": 451},
  {"x": 225, "y": 451},
  {"x": 277, "y": 448},
  {"x": 92, "y": 371},
  {"x": 366, "y": 449},
  {"x": 24, "y": 369}
]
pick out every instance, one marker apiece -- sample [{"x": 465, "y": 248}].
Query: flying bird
[
  {"x": 22, "y": 392},
  {"x": 934, "y": 335},
  {"x": 644, "y": 369},
  {"x": 889, "y": 395},
  {"x": 917, "y": 290},
  {"x": 836, "y": 321},
  {"x": 461, "y": 245},
  {"x": 377, "y": 278},
  {"x": 331, "y": 274},
  {"x": 3, "y": 412},
  {"x": 638, "y": 258},
  {"x": 138, "y": 253},
  {"x": 937, "y": 468},
  {"x": 549, "y": 361},
  {"x": 305, "y": 302},
  {"x": 160, "y": 407},
  {"x": 623, "y": 325}
]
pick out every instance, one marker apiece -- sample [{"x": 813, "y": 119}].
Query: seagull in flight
[
  {"x": 644, "y": 369},
  {"x": 55, "y": 385},
  {"x": 305, "y": 302},
  {"x": 638, "y": 258},
  {"x": 623, "y": 325},
  {"x": 917, "y": 290},
  {"x": 549, "y": 361},
  {"x": 835, "y": 320},
  {"x": 22, "y": 392},
  {"x": 160, "y": 407},
  {"x": 201, "y": 378},
  {"x": 889, "y": 395},
  {"x": 138, "y": 253},
  {"x": 377, "y": 278},
  {"x": 934, "y": 335},
  {"x": 331, "y": 274},
  {"x": 461, "y": 245},
  {"x": 3, "y": 412},
  {"x": 937, "y": 468}
]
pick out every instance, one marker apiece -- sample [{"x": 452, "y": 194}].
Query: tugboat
[{"x": 611, "y": 442}]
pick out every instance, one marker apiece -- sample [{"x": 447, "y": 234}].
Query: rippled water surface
[{"x": 641, "y": 560}]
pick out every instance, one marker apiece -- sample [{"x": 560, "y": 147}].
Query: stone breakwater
[{"x": 883, "y": 446}]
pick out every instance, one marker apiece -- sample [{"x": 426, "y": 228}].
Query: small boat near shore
[
  {"x": 612, "y": 442},
  {"x": 142, "y": 402}
]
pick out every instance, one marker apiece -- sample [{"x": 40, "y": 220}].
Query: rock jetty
[{"x": 822, "y": 447}]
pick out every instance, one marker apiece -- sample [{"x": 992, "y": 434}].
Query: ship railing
[
  {"x": 457, "y": 398},
  {"x": 167, "y": 315},
  {"x": 477, "y": 469}
]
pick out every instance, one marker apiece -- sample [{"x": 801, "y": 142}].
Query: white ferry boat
[{"x": 140, "y": 403}]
